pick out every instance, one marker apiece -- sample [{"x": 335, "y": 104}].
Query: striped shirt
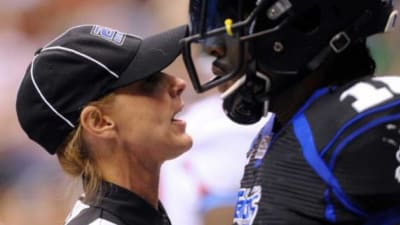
[{"x": 118, "y": 206}]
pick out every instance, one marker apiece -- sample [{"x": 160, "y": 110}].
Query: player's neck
[{"x": 289, "y": 101}]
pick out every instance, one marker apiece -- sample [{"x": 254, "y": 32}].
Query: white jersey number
[{"x": 366, "y": 95}]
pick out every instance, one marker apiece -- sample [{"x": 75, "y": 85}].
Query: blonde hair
[{"x": 77, "y": 159}]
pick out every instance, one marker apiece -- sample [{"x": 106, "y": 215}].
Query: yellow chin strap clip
[{"x": 228, "y": 26}]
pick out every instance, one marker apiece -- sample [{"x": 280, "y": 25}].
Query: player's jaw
[
  {"x": 223, "y": 66},
  {"x": 227, "y": 61}
]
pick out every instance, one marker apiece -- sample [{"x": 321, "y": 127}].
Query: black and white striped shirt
[{"x": 118, "y": 207}]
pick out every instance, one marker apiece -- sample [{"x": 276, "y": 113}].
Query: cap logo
[{"x": 108, "y": 34}]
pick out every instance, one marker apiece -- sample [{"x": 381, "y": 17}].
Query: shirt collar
[{"x": 129, "y": 207}]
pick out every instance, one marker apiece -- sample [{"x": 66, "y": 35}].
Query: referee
[{"x": 96, "y": 97}]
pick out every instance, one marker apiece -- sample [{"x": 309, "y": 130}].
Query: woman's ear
[{"x": 96, "y": 122}]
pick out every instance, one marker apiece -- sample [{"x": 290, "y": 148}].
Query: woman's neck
[{"x": 136, "y": 175}]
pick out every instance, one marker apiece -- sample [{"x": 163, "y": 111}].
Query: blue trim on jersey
[
  {"x": 358, "y": 132},
  {"x": 330, "y": 214},
  {"x": 267, "y": 128},
  {"x": 343, "y": 144},
  {"x": 318, "y": 93},
  {"x": 304, "y": 135},
  {"x": 353, "y": 120},
  {"x": 257, "y": 163}
]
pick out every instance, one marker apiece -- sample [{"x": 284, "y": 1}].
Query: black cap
[{"x": 81, "y": 65}]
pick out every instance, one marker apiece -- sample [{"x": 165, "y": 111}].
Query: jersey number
[{"x": 366, "y": 95}]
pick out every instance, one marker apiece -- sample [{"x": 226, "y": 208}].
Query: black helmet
[{"x": 282, "y": 38}]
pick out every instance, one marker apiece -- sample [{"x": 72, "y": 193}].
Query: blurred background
[{"x": 197, "y": 188}]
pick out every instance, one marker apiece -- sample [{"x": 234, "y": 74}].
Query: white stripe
[
  {"x": 82, "y": 55},
  {"x": 233, "y": 88},
  {"x": 44, "y": 98},
  {"x": 65, "y": 32},
  {"x": 78, "y": 207},
  {"x": 101, "y": 221}
]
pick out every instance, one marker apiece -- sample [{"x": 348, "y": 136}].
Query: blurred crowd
[{"x": 33, "y": 190}]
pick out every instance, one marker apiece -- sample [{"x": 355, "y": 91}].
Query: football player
[{"x": 332, "y": 153}]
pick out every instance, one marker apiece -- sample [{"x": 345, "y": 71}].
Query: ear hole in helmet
[{"x": 309, "y": 20}]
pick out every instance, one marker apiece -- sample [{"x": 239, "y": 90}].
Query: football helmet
[{"x": 276, "y": 42}]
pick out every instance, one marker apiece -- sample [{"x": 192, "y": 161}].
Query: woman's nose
[{"x": 178, "y": 86}]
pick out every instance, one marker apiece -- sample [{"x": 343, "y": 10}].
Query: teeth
[{"x": 176, "y": 114}]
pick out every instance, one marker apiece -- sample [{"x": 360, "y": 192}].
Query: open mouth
[
  {"x": 174, "y": 117},
  {"x": 178, "y": 122}
]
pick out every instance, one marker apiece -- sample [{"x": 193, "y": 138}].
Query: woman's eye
[{"x": 152, "y": 84}]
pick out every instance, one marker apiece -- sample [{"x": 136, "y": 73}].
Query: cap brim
[{"x": 155, "y": 53}]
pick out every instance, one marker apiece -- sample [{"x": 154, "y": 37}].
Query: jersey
[
  {"x": 118, "y": 206},
  {"x": 336, "y": 162}
]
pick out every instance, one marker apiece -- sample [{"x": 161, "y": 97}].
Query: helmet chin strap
[{"x": 242, "y": 102}]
